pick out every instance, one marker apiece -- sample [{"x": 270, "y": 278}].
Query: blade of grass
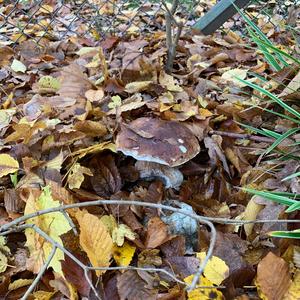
[
  {"x": 271, "y": 96},
  {"x": 286, "y": 234},
  {"x": 282, "y": 138},
  {"x": 257, "y": 130},
  {"x": 291, "y": 176},
  {"x": 271, "y": 196},
  {"x": 293, "y": 207}
]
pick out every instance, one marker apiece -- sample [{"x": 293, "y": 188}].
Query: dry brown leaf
[
  {"x": 74, "y": 83},
  {"x": 132, "y": 287},
  {"x": 273, "y": 277},
  {"x": 95, "y": 240},
  {"x": 157, "y": 233}
]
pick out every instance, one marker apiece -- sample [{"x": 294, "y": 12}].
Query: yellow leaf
[
  {"x": 3, "y": 262},
  {"x": 18, "y": 66},
  {"x": 42, "y": 295},
  {"x": 294, "y": 289},
  {"x": 76, "y": 175},
  {"x": 95, "y": 240},
  {"x": 250, "y": 213},
  {"x": 110, "y": 223},
  {"x": 203, "y": 294},
  {"x": 19, "y": 283},
  {"x": 4, "y": 251},
  {"x": 137, "y": 86},
  {"x": 56, "y": 162},
  {"x": 119, "y": 233},
  {"x": 46, "y": 9},
  {"x": 169, "y": 82},
  {"x": 123, "y": 255},
  {"x": 8, "y": 165},
  {"x": 94, "y": 149},
  {"x": 53, "y": 224},
  {"x": 216, "y": 269}
]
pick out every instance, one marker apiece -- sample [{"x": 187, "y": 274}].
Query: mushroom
[{"x": 164, "y": 142}]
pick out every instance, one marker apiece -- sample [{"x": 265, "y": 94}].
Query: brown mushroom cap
[{"x": 164, "y": 142}]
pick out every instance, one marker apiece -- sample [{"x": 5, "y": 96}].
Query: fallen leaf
[
  {"x": 76, "y": 175},
  {"x": 205, "y": 293},
  {"x": 124, "y": 254},
  {"x": 95, "y": 240},
  {"x": 132, "y": 286},
  {"x": 273, "y": 277},
  {"x": 121, "y": 232},
  {"x": 54, "y": 224},
  {"x": 8, "y": 165},
  {"x": 216, "y": 269},
  {"x": 18, "y": 66},
  {"x": 157, "y": 233},
  {"x": 233, "y": 74}
]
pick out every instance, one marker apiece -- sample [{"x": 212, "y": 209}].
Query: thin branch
[
  {"x": 40, "y": 274},
  {"x": 234, "y": 135},
  {"x": 61, "y": 208}
]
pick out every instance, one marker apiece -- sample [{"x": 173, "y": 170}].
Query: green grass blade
[
  {"x": 257, "y": 130},
  {"x": 278, "y": 114},
  {"x": 273, "y": 134},
  {"x": 286, "y": 234},
  {"x": 281, "y": 139},
  {"x": 271, "y": 96},
  {"x": 271, "y": 196},
  {"x": 287, "y": 194},
  {"x": 297, "y": 174},
  {"x": 283, "y": 53},
  {"x": 295, "y": 206},
  {"x": 269, "y": 57}
]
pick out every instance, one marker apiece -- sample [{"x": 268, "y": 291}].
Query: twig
[
  {"x": 61, "y": 208},
  {"x": 245, "y": 136},
  {"x": 40, "y": 274},
  {"x": 171, "y": 40}
]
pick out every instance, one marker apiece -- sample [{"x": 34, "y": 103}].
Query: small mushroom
[{"x": 164, "y": 142}]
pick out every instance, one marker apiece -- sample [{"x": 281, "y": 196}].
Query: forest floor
[{"x": 99, "y": 126}]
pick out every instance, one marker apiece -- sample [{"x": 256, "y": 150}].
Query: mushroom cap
[{"x": 165, "y": 142}]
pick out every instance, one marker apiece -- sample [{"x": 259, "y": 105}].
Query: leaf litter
[{"x": 84, "y": 121}]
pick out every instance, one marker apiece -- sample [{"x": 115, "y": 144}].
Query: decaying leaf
[
  {"x": 121, "y": 232},
  {"x": 157, "y": 233},
  {"x": 95, "y": 240},
  {"x": 132, "y": 287},
  {"x": 273, "y": 277},
  {"x": 54, "y": 224}
]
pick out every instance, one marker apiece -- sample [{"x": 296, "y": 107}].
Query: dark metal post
[{"x": 218, "y": 15}]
